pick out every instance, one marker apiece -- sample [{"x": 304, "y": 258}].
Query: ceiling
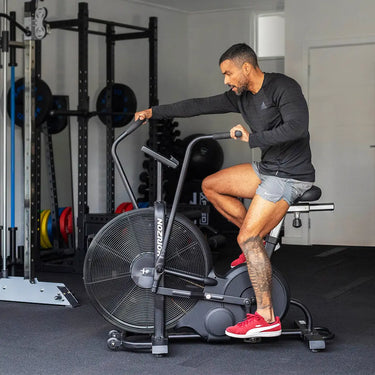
[{"x": 192, "y": 6}]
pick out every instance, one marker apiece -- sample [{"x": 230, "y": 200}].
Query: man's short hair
[{"x": 242, "y": 53}]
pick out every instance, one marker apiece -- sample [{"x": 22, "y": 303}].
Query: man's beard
[
  {"x": 240, "y": 90},
  {"x": 242, "y": 87}
]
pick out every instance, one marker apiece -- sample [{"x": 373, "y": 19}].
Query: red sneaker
[
  {"x": 254, "y": 326},
  {"x": 241, "y": 259}
]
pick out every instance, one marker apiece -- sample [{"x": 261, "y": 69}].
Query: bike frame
[{"x": 163, "y": 232}]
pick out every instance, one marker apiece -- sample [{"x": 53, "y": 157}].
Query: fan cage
[{"x": 107, "y": 269}]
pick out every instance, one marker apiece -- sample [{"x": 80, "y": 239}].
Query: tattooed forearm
[{"x": 260, "y": 273}]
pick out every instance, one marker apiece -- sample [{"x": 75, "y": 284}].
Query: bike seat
[{"x": 313, "y": 194}]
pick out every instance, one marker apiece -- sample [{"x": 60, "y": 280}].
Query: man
[{"x": 273, "y": 106}]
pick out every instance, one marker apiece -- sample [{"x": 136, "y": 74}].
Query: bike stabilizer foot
[{"x": 159, "y": 346}]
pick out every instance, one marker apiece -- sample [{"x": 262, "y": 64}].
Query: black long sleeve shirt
[{"x": 277, "y": 116}]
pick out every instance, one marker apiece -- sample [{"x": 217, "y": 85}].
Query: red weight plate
[
  {"x": 70, "y": 221},
  {"x": 62, "y": 224},
  {"x": 124, "y": 207}
]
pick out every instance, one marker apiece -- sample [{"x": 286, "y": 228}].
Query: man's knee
[
  {"x": 208, "y": 185},
  {"x": 249, "y": 239}
]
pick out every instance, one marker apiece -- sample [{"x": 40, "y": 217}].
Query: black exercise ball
[{"x": 207, "y": 157}]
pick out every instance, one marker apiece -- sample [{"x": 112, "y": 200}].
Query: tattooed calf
[{"x": 260, "y": 272}]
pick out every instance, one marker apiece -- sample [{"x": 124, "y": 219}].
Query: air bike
[{"x": 149, "y": 272}]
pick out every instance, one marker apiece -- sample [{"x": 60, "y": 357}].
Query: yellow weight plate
[
  {"x": 44, "y": 230},
  {"x": 42, "y": 239},
  {"x": 42, "y": 242}
]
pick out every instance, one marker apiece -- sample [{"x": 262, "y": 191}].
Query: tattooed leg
[
  {"x": 261, "y": 217},
  {"x": 260, "y": 272}
]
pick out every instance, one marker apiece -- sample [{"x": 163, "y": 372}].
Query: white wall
[{"x": 209, "y": 35}]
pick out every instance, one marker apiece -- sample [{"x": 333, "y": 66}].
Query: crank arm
[
  {"x": 205, "y": 280},
  {"x": 169, "y": 292}
]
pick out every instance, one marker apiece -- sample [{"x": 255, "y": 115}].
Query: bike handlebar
[
  {"x": 226, "y": 135},
  {"x": 135, "y": 124}
]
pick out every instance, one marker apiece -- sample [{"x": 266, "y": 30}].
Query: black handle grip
[
  {"x": 226, "y": 135},
  {"x": 134, "y": 125}
]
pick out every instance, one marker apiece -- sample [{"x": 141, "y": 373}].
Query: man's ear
[{"x": 246, "y": 68}]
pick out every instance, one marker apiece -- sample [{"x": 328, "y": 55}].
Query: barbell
[{"x": 116, "y": 101}]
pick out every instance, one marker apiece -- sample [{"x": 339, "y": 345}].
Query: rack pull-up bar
[
  {"x": 72, "y": 25},
  {"x": 117, "y": 24},
  {"x": 63, "y": 24}
]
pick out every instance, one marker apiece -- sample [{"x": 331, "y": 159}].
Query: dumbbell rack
[{"x": 162, "y": 135}]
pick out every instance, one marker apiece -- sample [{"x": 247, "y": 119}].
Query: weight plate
[
  {"x": 42, "y": 242},
  {"x": 124, "y": 207},
  {"x": 49, "y": 228},
  {"x": 44, "y": 230},
  {"x": 49, "y": 224},
  {"x": 56, "y": 124},
  {"x": 70, "y": 222},
  {"x": 143, "y": 204},
  {"x": 43, "y": 101},
  {"x": 124, "y": 104},
  {"x": 64, "y": 223}
]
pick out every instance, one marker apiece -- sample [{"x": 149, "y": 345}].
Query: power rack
[{"x": 114, "y": 32}]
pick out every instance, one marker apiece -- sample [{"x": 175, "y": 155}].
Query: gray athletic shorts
[{"x": 273, "y": 188}]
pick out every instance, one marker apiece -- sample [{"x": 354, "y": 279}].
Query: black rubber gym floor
[{"x": 336, "y": 283}]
